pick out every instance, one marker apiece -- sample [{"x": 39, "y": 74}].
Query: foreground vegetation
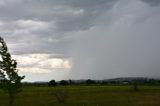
[{"x": 87, "y": 96}]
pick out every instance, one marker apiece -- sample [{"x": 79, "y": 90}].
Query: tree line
[{"x": 134, "y": 81}]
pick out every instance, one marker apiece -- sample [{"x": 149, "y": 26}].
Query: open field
[{"x": 87, "y": 96}]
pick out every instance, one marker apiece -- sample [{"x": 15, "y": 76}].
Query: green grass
[{"x": 87, "y": 96}]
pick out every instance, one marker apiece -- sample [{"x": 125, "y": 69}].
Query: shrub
[{"x": 61, "y": 95}]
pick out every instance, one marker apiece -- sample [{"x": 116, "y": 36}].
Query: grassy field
[{"x": 87, "y": 96}]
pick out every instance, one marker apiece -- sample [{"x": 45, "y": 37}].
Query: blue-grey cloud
[
  {"x": 45, "y": 23},
  {"x": 152, "y": 2},
  {"x": 127, "y": 46}
]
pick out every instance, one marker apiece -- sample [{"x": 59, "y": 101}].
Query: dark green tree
[
  {"x": 89, "y": 81},
  {"x": 9, "y": 73},
  {"x": 63, "y": 82},
  {"x": 52, "y": 83}
]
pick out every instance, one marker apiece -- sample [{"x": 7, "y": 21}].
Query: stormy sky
[{"x": 81, "y": 39}]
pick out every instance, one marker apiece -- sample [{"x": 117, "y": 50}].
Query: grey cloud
[
  {"x": 152, "y": 2},
  {"x": 58, "y": 11},
  {"x": 61, "y": 16},
  {"x": 91, "y": 10},
  {"x": 121, "y": 48}
]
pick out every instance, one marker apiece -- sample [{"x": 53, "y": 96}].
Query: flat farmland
[{"x": 86, "y": 96}]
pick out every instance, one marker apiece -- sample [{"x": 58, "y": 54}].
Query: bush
[
  {"x": 52, "y": 83},
  {"x": 64, "y": 83},
  {"x": 61, "y": 95},
  {"x": 89, "y": 81}
]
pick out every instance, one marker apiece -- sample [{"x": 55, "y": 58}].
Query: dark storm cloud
[
  {"x": 68, "y": 15},
  {"x": 88, "y": 11},
  {"x": 59, "y": 16},
  {"x": 152, "y": 2},
  {"x": 127, "y": 46}
]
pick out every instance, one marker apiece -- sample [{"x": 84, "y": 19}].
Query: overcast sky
[{"x": 81, "y": 39}]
